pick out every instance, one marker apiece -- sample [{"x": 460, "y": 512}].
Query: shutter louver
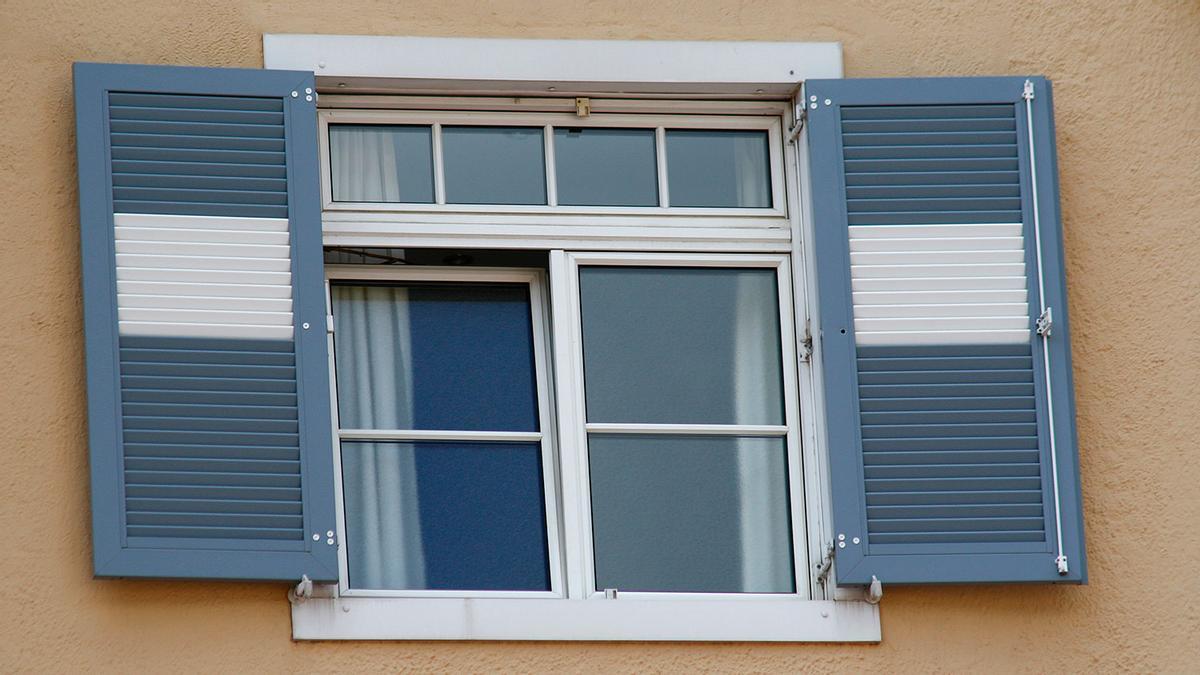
[
  {"x": 936, "y": 387},
  {"x": 207, "y": 386}
]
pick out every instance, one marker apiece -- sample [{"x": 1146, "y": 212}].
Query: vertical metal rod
[{"x": 1061, "y": 559}]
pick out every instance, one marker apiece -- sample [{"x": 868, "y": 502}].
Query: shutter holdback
[{"x": 1043, "y": 327}]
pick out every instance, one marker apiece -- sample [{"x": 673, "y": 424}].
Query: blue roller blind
[
  {"x": 950, "y": 414},
  {"x": 208, "y": 392}
]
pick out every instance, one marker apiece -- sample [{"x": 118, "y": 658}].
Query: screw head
[
  {"x": 812, "y": 98},
  {"x": 329, "y": 541},
  {"x": 855, "y": 540},
  {"x": 827, "y": 101},
  {"x": 295, "y": 94},
  {"x": 304, "y": 325},
  {"x": 307, "y": 98},
  {"x": 316, "y": 536},
  {"x": 841, "y": 544},
  {"x": 308, "y": 90},
  {"x": 841, "y": 537},
  {"x": 813, "y": 106}
]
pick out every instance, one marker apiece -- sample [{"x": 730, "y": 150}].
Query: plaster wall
[{"x": 1127, "y": 88}]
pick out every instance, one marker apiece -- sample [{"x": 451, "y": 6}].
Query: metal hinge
[
  {"x": 1028, "y": 93},
  {"x": 1061, "y": 562},
  {"x": 1045, "y": 322},
  {"x": 826, "y": 565},
  {"x": 794, "y": 132},
  {"x": 329, "y": 324},
  {"x": 806, "y": 345}
]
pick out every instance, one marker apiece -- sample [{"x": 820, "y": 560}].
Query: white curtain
[
  {"x": 753, "y": 178},
  {"x": 364, "y": 163},
  {"x": 379, "y": 480},
  {"x": 762, "y": 492}
]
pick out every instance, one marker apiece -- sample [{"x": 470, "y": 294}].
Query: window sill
[{"x": 367, "y": 618}]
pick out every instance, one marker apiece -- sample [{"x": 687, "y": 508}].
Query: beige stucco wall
[{"x": 1127, "y": 78}]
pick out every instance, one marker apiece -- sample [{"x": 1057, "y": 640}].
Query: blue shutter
[
  {"x": 953, "y": 454},
  {"x": 207, "y": 373}
]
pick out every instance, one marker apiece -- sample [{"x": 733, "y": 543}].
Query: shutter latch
[{"x": 1045, "y": 322}]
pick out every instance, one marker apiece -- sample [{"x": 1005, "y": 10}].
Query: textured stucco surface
[{"x": 1127, "y": 78}]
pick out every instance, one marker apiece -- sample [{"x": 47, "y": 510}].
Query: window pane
[
  {"x": 446, "y": 515},
  {"x": 718, "y": 168},
  {"x": 681, "y": 345},
  {"x": 434, "y": 356},
  {"x": 372, "y": 163},
  {"x": 494, "y": 165},
  {"x": 691, "y": 514},
  {"x": 606, "y": 167}
]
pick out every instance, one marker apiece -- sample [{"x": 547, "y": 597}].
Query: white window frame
[
  {"x": 545, "y": 437},
  {"x": 656, "y": 228},
  {"x": 623, "y": 77}
]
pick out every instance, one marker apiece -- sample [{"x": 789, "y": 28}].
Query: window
[{"x": 655, "y": 455}]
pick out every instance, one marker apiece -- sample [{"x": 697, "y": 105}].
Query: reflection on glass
[
  {"x": 701, "y": 514},
  {"x": 446, "y": 515},
  {"x": 494, "y": 165},
  {"x": 377, "y": 163},
  {"x": 434, "y": 356},
  {"x": 718, "y": 168},
  {"x": 681, "y": 345},
  {"x": 605, "y": 167}
]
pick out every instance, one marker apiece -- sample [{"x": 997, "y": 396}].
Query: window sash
[
  {"x": 771, "y": 124},
  {"x": 574, "y": 430},
  {"x": 544, "y": 437}
]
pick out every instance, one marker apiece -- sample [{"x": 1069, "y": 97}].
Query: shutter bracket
[
  {"x": 1045, "y": 322},
  {"x": 1061, "y": 562},
  {"x": 1028, "y": 93}
]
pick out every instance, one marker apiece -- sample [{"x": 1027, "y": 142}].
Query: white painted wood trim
[
  {"x": 433, "y": 64},
  {"x": 785, "y": 619}
]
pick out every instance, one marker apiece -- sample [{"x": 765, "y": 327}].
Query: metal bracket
[
  {"x": 302, "y": 591},
  {"x": 1061, "y": 562},
  {"x": 1028, "y": 93},
  {"x": 1045, "y": 322},
  {"x": 610, "y": 594},
  {"x": 583, "y": 106},
  {"x": 794, "y": 132}
]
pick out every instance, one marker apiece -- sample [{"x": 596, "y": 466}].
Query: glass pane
[
  {"x": 701, "y": 514},
  {"x": 434, "y": 356},
  {"x": 606, "y": 167},
  {"x": 371, "y": 163},
  {"x": 681, "y": 345},
  {"x": 446, "y": 515},
  {"x": 494, "y": 165},
  {"x": 718, "y": 168}
]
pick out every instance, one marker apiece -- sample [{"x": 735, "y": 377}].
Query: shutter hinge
[
  {"x": 1045, "y": 322},
  {"x": 794, "y": 132},
  {"x": 806, "y": 344},
  {"x": 826, "y": 565},
  {"x": 1028, "y": 93},
  {"x": 329, "y": 324},
  {"x": 1061, "y": 562}
]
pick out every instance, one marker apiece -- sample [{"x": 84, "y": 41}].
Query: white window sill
[{"x": 374, "y": 618}]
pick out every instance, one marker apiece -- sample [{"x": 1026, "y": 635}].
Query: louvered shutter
[
  {"x": 207, "y": 373},
  {"x": 950, "y": 419}
]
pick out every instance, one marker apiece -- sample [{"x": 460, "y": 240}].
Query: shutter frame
[
  {"x": 962, "y": 563},
  {"x": 197, "y": 557}
]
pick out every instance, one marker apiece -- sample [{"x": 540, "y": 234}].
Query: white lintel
[{"x": 363, "y": 63}]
